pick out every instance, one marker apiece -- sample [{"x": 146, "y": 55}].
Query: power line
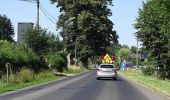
[
  {"x": 47, "y": 11},
  {"x": 30, "y": 1},
  {"x": 46, "y": 14}
]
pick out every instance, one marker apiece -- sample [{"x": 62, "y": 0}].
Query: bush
[
  {"x": 75, "y": 69},
  {"x": 26, "y": 75},
  {"x": 23, "y": 76},
  {"x": 148, "y": 70},
  {"x": 57, "y": 61},
  {"x": 17, "y": 56}
]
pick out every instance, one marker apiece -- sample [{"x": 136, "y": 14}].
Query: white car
[{"x": 106, "y": 71}]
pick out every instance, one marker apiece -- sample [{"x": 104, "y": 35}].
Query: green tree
[
  {"x": 133, "y": 49},
  {"x": 114, "y": 48},
  {"x": 55, "y": 44},
  {"x": 37, "y": 40},
  {"x": 6, "y": 28},
  {"x": 123, "y": 54},
  {"x": 125, "y": 46},
  {"x": 87, "y": 19},
  {"x": 153, "y": 25}
]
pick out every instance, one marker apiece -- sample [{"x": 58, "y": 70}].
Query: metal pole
[
  {"x": 38, "y": 7},
  {"x": 7, "y": 75}
]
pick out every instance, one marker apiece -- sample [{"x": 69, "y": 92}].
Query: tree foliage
[
  {"x": 153, "y": 24},
  {"x": 6, "y": 28},
  {"x": 41, "y": 41},
  {"x": 125, "y": 46},
  {"x": 37, "y": 40},
  {"x": 113, "y": 49},
  {"x": 133, "y": 49},
  {"x": 123, "y": 54},
  {"x": 88, "y": 19}
]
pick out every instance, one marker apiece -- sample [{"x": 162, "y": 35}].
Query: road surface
[{"x": 86, "y": 87}]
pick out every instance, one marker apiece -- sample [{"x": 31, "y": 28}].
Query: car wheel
[
  {"x": 98, "y": 78},
  {"x": 114, "y": 78}
]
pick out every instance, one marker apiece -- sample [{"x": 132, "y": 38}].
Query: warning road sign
[{"x": 106, "y": 59}]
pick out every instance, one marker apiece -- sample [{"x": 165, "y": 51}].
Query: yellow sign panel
[{"x": 106, "y": 59}]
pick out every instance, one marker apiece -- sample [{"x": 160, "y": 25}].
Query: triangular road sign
[{"x": 106, "y": 59}]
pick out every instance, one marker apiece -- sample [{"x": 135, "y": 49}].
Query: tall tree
[
  {"x": 153, "y": 25},
  {"x": 125, "y": 46},
  {"x": 113, "y": 49},
  {"x": 6, "y": 28},
  {"x": 85, "y": 25},
  {"x": 133, "y": 49},
  {"x": 37, "y": 40}
]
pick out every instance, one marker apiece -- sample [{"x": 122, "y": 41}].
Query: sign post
[{"x": 7, "y": 73}]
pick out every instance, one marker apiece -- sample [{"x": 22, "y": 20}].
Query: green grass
[
  {"x": 162, "y": 86},
  {"x": 75, "y": 70},
  {"x": 40, "y": 78}
]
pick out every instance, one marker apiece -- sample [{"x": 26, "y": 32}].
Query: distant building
[
  {"x": 141, "y": 56},
  {"x": 22, "y": 28}
]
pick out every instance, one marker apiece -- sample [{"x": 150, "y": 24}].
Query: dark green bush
[
  {"x": 148, "y": 70},
  {"x": 17, "y": 56},
  {"x": 57, "y": 61}
]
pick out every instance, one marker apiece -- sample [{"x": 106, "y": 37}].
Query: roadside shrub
[
  {"x": 26, "y": 75},
  {"x": 44, "y": 74},
  {"x": 23, "y": 76},
  {"x": 148, "y": 70},
  {"x": 18, "y": 56},
  {"x": 64, "y": 56},
  {"x": 57, "y": 61},
  {"x": 75, "y": 69}
]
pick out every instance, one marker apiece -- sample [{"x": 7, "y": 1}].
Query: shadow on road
[{"x": 109, "y": 79}]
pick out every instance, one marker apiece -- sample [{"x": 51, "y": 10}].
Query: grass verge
[
  {"x": 162, "y": 86},
  {"x": 75, "y": 69},
  {"x": 39, "y": 78}
]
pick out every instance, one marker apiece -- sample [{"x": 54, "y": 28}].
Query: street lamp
[{"x": 75, "y": 50}]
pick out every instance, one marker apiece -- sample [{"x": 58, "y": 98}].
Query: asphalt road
[{"x": 86, "y": 87}]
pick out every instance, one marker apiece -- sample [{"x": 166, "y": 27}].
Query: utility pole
[{"x": 38, "y": 10}]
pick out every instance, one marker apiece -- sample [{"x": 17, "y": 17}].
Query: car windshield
[{"x": 106, "y": 66}]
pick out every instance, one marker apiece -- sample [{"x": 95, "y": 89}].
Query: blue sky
[{"x": 124, "y": 15}]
